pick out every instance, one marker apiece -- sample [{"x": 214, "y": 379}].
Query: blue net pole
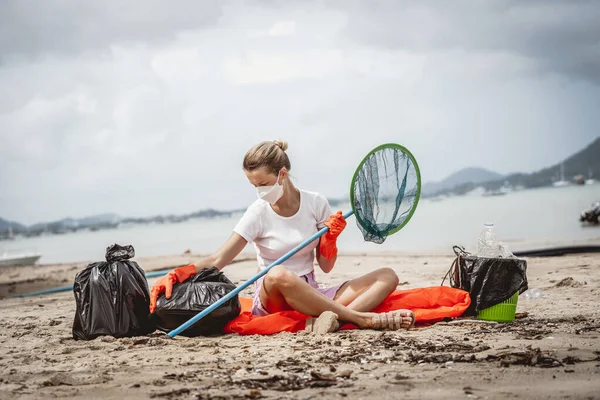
[{"x": 152, "y": 274}]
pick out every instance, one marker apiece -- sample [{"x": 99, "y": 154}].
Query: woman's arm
[
  {"x": 326, "y": 252},
  {"x": 230, "y": 249},
  {"x": 325, "y": 264},
  {"x": 225, "y": 255}
]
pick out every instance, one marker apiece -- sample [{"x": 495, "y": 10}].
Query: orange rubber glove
[
  {"x": 336, "y": 224},
  {"x": 165, "y": 284}
]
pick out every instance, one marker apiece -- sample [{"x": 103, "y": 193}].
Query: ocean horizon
[{"x": 526, "y": 219}]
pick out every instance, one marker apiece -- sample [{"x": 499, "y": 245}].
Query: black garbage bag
[
  {"x": 112, "y": 297},
  {"x": 489, "y": 281},
  {"x": 193, "y": 296}
]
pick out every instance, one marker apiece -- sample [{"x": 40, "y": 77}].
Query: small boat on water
[
  {"x": 590, "y": 180},
  {"x": 18, "y": 259},
  {"x": 591, "y": 215},
  {"x": 494, "y": 193},
  {"x": 562, "y": 182}
]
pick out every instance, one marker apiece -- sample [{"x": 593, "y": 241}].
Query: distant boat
[
  {"x": 21, "y": 259},
  {"x": 494, "y": 193},
  {"x": 503, "y": 190},
  {"x": 591, "y": 215},
  {"x": 478, "y": 191},
  {"x": 562, "y": 181},
  {"x": 590, "y": 180}
]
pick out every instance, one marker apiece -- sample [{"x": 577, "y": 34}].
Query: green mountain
[
  {"x": 582, "y": 163},
  {"x": 466, "y": 175},
  {"x": 64, "y": 225},
  {"x": 6, "y": 225}
]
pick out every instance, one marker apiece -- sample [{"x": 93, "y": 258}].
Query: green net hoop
[{"x": 385, "y": 191}]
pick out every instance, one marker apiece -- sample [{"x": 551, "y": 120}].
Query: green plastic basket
[{"x": 501, "y": 312}]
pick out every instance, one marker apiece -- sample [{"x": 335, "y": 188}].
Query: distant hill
[
  {"x": 583, "y": 163},
  {"x": 68, "y": 223},
  {"x": 466, "y": 175},
  {"x": 64, "y": 225},
  {"x": 103, "y": 221},
  {"x": 109, "y": 218},
  {"x": 5, "y": 224}
]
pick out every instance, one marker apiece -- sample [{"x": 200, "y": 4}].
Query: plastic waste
[
  {"x": 193, "y": 296},
  {"x": 488, "y": 245},
  {"x": 112, "y": 297},
  {"x": 532, "y": 294},
  {"x": 505, "y": 251}
]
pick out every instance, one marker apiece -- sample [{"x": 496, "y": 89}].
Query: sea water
[{"x": 524, "y": 219}]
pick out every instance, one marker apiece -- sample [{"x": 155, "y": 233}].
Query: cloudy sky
[{"x": 106, "y": 106}]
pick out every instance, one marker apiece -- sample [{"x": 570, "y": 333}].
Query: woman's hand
[
  {"x": 234, "y": 245},
  {"x": 327, "y": 248},
  {"x": 328, "y": 243},
  {"x": 165, "y": 284}
]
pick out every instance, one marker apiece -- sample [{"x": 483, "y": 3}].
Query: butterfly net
[{"x": 385, "y": 191}]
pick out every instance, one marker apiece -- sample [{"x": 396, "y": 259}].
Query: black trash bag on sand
[
  {"x": 489, "y": 281},
  {"x": 194, "y": 296},
  {"x": 112, "y": 297}
]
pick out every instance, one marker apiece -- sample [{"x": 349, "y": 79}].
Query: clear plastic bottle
[
  {"x": 532, "y": 294},
  {"x": 535, "y": 293},
  {"x": 487, "y": 245}
]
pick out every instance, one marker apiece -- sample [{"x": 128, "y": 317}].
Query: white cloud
[
  {"x": 141, "y": 127},
  {"x": 179, "y": 65},
  {"x": 270, "y": 68},
  {"x": 283, "y": 28}
]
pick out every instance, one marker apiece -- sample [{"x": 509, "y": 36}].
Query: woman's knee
[
  {"x": 279, "y": 276},
  {"x": 389, "y": 276}
]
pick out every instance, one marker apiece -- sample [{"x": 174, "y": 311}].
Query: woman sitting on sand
[{"x": 278, "y": 221}]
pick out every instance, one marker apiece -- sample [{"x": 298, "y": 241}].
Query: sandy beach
[{"x": 551, "y": 351}]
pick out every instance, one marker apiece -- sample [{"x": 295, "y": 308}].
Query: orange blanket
[{"x": 430, "y": 304}]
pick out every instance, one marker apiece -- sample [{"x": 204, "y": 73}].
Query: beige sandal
[{"x": 392, "y": 319}]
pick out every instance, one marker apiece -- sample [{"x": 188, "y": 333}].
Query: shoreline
[
  {"x": 364, "y": 249},
  {"x": 20, "y": 280},
  {"x": 26, "y": 279}
]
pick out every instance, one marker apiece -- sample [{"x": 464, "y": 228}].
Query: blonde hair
[{"x": 269, "y": 154}]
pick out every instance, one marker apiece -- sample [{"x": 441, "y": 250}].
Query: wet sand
[{"x": 552, "y": 351}]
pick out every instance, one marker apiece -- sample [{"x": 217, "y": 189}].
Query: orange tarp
[{"x": 430, "y": 304}]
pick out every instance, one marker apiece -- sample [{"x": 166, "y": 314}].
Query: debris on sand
[
  {"x": 569, "y": 282},
  {"x": 65, "y": 379},
  {"x": 283, "y": 383},
  {"x": 528, "y": 357},
  {"x": 171, "y": 394},
  {"x": 587, "y": 328},
  {"x": 322, "y": 377},
  {"x": 532, "y": 333}
]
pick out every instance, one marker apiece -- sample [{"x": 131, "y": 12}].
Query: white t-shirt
[{"x": 273, "y": 235}]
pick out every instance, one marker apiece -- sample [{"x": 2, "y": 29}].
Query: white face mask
[{"x": 272, "y": 193}]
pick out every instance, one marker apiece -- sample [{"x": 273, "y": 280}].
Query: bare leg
[
  {"x": 283, "y": 290},
  {"x": 368, "y": 291}
]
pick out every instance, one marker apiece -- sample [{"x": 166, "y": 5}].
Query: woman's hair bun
[{"x": 281, "y": 144}]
